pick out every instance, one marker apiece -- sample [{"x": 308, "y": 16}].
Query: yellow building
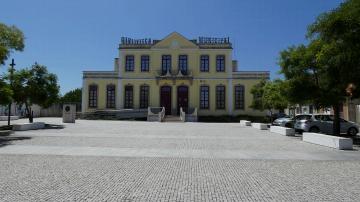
[{"x": 173, "y": 72}]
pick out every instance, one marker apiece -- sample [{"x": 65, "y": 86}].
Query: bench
[
  {"x": 28, "y": 126},
  {"x": 328, "y": 141},
  {"x": 282, "y": 130},
  {"x": 245, "y": 123},
  {"x": 261, "y": 126}
]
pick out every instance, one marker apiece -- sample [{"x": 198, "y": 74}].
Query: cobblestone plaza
[{"x": 141, "y": 161}]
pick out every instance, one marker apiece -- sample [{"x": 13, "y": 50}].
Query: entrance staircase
[
  {"x": 170, "y": 118},
  {"x": 157, "y": 114}
]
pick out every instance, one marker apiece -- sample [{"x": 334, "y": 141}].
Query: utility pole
[{"x": 11, "y": 70}]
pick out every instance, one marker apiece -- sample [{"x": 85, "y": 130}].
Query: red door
[
  {"x": 165, "y": 99},
  {"x": 183, "y": 99}
]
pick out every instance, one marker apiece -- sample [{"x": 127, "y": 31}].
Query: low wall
[
  {"x": 245, "y": 123},
  {"x": 261, "y": 126},
  {"x": 28, "y": 126},
  {"x": 282, "y": 130},
  {"x": 5, "y": 118},
  {"x": 328, "y": 141}
]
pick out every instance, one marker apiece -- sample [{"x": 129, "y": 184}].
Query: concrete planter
[
  {"x": 260, "y": 126},
  {"x": 5, "y": 118},
  {"x": 282, "y": 130},
  {"x": 28, "y": 126},
  {"x": 5, "y": 132},
  {"x": 328, "y": 141},
  {"x": 245, "y": 123}
]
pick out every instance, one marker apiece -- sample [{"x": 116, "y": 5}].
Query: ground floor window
[
  {"x": 144, "y": 96},
  {"x": 204, "y": 97},
  {"x": 110, "y": 96},
  {"x": 239, "y": 97},
  {"x": 129, "y": 97},
  {"x": 93, "y": 96},
  {"x": 220, "y": 97}
]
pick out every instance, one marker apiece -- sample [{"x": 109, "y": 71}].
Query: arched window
[
  {"x": 144, "y": 96},
  {"x": 110, "y": 96},
  {"x": 129, "y": 97},
  {"x": 93, "y": 96},
  {"x": 239, "y": 92}
]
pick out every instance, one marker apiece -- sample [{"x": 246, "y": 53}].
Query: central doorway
[
  {"x": 182, "y": 98},
  {"x": 165, "y": 99}
]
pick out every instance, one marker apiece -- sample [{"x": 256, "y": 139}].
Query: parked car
[
  {"x": 284, "y": 122},
  {"x": 323, "y": 123},
  {"x": 276, "y": 116}
]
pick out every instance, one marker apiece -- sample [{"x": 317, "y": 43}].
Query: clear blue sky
[{"x": 70, "y": 36}]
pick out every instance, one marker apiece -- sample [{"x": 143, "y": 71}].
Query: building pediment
[{"x": 174, "y": 41}]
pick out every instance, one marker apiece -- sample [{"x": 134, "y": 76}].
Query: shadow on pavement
[
  {"x": 54, "y": 126},
  {"x": 7, "y": 140}
]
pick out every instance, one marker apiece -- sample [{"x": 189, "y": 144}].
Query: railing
[
  {"x": 190, "y": 116},
  {"x": 162, "y": 114},
  {"x": 182, "y": 115},
  {"x": 156, "y": 114},
  {"x": 173, "y": 73}
]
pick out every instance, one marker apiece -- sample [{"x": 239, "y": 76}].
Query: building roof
[{"x": 175, "y": 40}]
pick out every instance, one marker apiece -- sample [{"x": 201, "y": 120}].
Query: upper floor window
[
  {"x": 129, "y": 97},
  {"x": 165, "y": 63},
  {"x": 220, "y": 63},
  {"x": 144, "y": 96},
  {"x": 239, "y": 97},
  {"x": 129, "y": 63},
  {"x": 220, "y": 97},
  {"x": 110, "y": 96},
  {"x": 204, "y": 63},
  {"x": 93, "y": 92},
  {"x": 183, "y": 64},
  {"x": 145, "y": 63},
  {"x": 204, "y": 97}
]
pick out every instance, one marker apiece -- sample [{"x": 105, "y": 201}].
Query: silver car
[
  {"x": 323, "y": 123},
  {"x": 284, "y": 122}
]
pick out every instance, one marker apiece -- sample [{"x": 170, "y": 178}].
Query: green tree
[
  {"x": 5, "y": 93},
  {"x": 258, "y": 91},
  {"x": 11, "y": 38},
  {"x": 322, "y": 71},
  {"x": 72, "y": 96},
  {"x": 270, "y": 95},
  {"x": 35, "y": 86}
]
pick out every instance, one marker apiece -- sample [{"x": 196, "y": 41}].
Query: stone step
[
  {"x": 172, "y": 119},
  {"x": 115, "y": 114}
]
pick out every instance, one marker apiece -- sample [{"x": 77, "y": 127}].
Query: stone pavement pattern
[{"x": 140, "y": 161}]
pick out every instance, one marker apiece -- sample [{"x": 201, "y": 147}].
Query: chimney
[{"x": 116, "y": 64}]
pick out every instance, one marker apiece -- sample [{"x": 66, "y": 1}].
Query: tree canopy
[
  {"x": 321, "y": 71},
  {"x": 73, "y": 96},
  {"x": 35, "y": 86},
  {"x": 270, "y": 95},
  {"x": 5, "y": 93},
  {"x": 11, "y": 38}
]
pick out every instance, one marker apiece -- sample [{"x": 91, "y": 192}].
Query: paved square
[{"x": 141, "y": 161}]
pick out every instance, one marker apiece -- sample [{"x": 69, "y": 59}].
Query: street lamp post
[{"x": 11, "y": 70}]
